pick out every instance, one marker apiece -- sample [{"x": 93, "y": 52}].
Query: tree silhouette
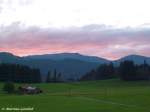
[
  {"x": 127, "y": 70},
  {"x": 49, "y": 77},
  {"x": 19, "y": 73}
]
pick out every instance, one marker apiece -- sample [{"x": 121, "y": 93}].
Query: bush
[{"x": 9, "y": 87}]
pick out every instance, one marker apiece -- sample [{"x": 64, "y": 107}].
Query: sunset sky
[{"x": 105, "y": 28}]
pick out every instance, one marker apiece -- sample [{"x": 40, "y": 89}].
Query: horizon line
[{"x": 72, "y": 53}]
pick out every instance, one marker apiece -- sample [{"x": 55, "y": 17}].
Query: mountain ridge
[
  {"x": 137, "y": 59},
  {"x": 71, "y": 65},
  {"x": 62, "y": 56},
  {"x": 66, "y": 55}
]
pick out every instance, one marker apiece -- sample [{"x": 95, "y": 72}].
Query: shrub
[{"x": 9, "y": 87}]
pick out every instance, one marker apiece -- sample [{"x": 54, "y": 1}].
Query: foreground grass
[{"x": 92, "y": 96}]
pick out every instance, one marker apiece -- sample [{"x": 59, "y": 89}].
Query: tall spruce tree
[
  {"x": 49, "y": 77},
  {"x": 55, "y": 76}
]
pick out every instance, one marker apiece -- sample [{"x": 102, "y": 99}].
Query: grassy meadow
[{"x": 93, "y": 96}]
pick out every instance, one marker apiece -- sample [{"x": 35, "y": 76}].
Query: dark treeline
[
  {"x": 53, "y": 77},
  {"x": 127, "y": 70},
  {"x": 19, "y": 73},
  {"x": 130, "y": 71},
  {"x": 104, "y": 71}
]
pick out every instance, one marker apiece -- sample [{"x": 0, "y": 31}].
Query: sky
[{"x": 106, "y": 28}]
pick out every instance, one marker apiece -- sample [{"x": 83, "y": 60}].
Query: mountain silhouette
[{"x": 71, "y": 65}]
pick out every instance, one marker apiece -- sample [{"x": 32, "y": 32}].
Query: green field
[{"x": 93, "y": 96}]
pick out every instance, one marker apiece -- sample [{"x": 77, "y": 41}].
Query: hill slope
[
  {"x": 136, "y": 58},
  {"x": 71, "y": 65},
  {"x": 63, "y": 56},
  {"x": 91, "y": 96},
  {"x": 6, "y": 57}
]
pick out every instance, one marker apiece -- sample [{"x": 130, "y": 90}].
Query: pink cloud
[{"x": 102, "y": 41}]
